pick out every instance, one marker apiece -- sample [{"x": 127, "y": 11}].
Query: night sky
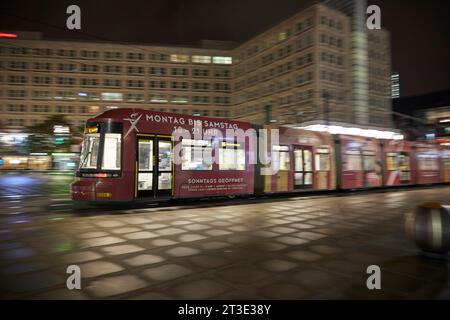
[{"x": 420, "y": 30}]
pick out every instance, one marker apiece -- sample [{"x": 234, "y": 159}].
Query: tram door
[
  {"x": 303, "y": 167},
  {"x": 153, "y": 167}
]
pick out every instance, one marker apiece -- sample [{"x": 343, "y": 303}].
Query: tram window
[
  {"x": 165, "y": 181},
  {"x": 322, "y": 160},
  {"x": 231, "y": 156},
  {"x": 196, "y": 155},
  {"x": 427, "y": 163},
  {"x": 369, "y": 161},
  {"x": 89, "y": 151},
  {"x": 145, "y": 181},
  {"x": 165, "y": 151},
  {"x": 446, "y": 163},
  {"x": 308, "y": 159},
  {"x": 353, "y": 160},
  {"x": 298, "y": 160},
  {"x": 111, "y": 153},
  {"x": 391, "y": 161},
  {"x": 282, "y": 161},
  {"x": 146, "y": 155},
  {"x": 403, "y": 162}
]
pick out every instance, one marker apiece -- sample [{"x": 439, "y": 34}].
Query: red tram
[{"x": 135, "y": 154}]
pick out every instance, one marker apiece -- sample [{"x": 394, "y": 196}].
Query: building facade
[{"x": 298, "y": 71}]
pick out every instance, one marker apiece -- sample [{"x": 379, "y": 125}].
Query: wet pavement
[{"x": 315, "y": 247}]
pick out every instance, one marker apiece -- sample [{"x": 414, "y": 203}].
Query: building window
[
  {"x": 222, "y": 60},
  {"x": 157, "y": 71},
  {"x": 158, "y": 98},
  {"x": 201, "y": 59},
  {"x": 179, "y": 58},
  {"x": 179, "y": 99},
  {"x": 112, "y": 96}
]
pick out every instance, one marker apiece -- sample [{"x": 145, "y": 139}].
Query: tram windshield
[
  {"x": 101, "y": 150},
  {"x": 89, "y": 151}
]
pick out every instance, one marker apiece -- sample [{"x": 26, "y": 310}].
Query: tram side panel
[
  {"x": 445, "y": 164},
  {"x": 305, "y": 161},
  {"x": 397, "y": 158},
  {"x": 361, "y": 162},
  {"x": 426, "y": 163}
]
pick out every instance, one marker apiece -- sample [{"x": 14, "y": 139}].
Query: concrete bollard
[{"x": 429, "y": 227}]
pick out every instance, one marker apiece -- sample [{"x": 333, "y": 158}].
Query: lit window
[
  {"x": 281, "y": 159},
  {"x": 111, "y": 154},
  {"x": 322, "y": 160},
  {"x": 231, "y": 156},
  {"x": 282, "y": 36},
  {"x": 201, "y": 59},
  {"x": 196, "y": 155},
  {"x": 89, "y": 151},
  {"x": 353, "y": 160},
  {"x": 179, "y": 99},
  {"x": 222, "y": 60},
  {"x": 159, "y": 99},
  {"x": 112, "y": 96},
  {"x": 179, "y": 58}
]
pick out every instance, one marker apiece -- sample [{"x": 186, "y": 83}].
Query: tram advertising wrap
[{"x": 142, "y": 155}]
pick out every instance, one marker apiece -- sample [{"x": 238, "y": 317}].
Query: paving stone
[
  {"x": 277, "y": 265},
  {"x": 309, "y": 235},
  {"x": 141, "y": 235},
  {"x": 121, "y": 249},
  {"x": 152, "y": 226},
  {"x": 199, "y": 289},
  {"x": 111, "y": 286},
  {"x": 103, "y": 241},
  {"x": 196, "y": 227},
  {"x": 169, "y": 231},
  {"x": 125, "y": 230},
  {"x": 163, "y": 242},
  {"x": 217, "y": 232},
  {"x": 94, "y": 234},
  {"x": 61, "y": 294},
  {"x": 151, "y": 296},
  {"x": 284, "y": 291},
  {"x": 291, "y": 240},
  {"x": 266, "y": 234},
  {"x": 81, "y": 256},
  {"x": 166, "y": 272},
  {"x": 109, "y": 224},
  {"x": 213, "y": 245},
  {"x": 190, "y": 237},
  {"x": 304, "y": 256},
  {"x": 98, "y": 268},
  {"x": 238, "y": 228},
  {"x": 283, "y": 230},
  {"x": 135, "y": 220},
  {"x": 209, "y": 261},
  {"x": 182, "y": 251},
  {"x": 325, "y": 249},
  {"x": 242, "y": 274},
  {"x": 143, "y": 259},
  {"x": 315, "y": 279},
  {"x": 272, "y": 246}
]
